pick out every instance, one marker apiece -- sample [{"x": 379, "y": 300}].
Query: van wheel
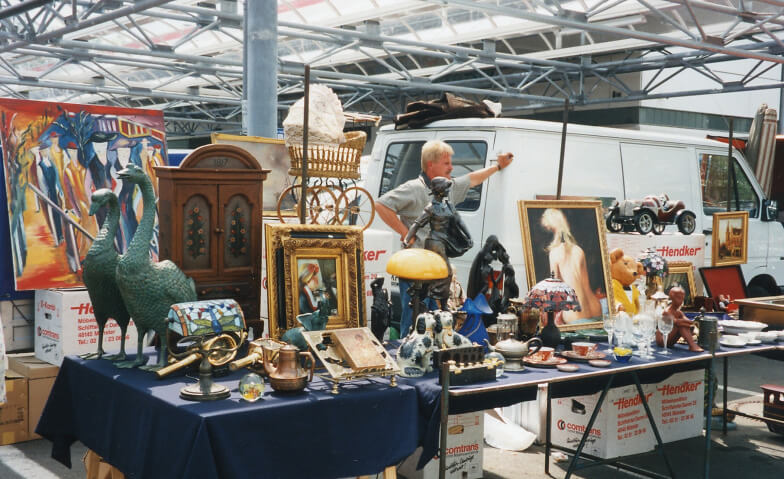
[
  {"x": 612, "y": 225},
  {"x": 687, "y": 222},
  {"x": 643, "y": 222},
  {"x": 658, "y": 228}
]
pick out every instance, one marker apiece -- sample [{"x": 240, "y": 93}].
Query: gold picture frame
[
  {"x": 580, "y": 224},
  {"x": 308, "y": 262},
  {"x": 730, "y": 238},
  {"x": 681, "y": 273}
]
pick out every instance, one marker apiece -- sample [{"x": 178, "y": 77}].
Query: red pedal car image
[{"x": 653, "y": 213}]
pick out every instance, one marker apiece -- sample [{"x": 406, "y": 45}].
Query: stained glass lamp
[
  {"x": 552, "y": 295},
  {"x": 216, "y": 329},
  {"x": 201, "y": 318}
]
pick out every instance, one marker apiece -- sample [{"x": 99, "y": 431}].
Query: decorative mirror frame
[
  {"x": 288, "y": 243},
  {"x": 682, "y": 273}
]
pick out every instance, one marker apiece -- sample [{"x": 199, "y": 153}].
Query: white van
[{"x": 599, "y": 162}]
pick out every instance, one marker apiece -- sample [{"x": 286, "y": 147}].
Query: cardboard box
[
  {"x": 40, "y": 379},
  {"x": 464, "y": 450},
  {"x": 65, "y": 325},
  {"x": 17, "y": 319},
  {"x": 680, "y": 400},
  {"x": 621, "y": 427},
  {"x": 13, "y": 414}
]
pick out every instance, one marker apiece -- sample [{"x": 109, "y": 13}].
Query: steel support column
[{"x": 260, "y": 116}]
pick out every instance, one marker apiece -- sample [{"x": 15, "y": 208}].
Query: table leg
[
  {"x": 724, "y": 404},
  {"x": 653, "y": 423},
  {"x": 588, "y": 427},
  {"x": 444, "y": 419},
  {"x": 708, "y": 416},
  {"x": 548, "y": 418}
]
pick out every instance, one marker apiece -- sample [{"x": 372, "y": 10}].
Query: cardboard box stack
[
  {"x": 65, "y": 325},
  {"x": 40, "y": 378}
]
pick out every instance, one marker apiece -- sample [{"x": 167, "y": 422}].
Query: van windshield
[
  {"x": 714, "y": 174},
  {"x": 403, "y": 162}
]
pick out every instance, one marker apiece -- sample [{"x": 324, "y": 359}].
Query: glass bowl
[
  {"x": 498, "y": 359},
  {"x": 622, "y": 355}
]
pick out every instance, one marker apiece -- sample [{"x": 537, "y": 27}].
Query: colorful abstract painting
[{"x": 55, "y": 155}]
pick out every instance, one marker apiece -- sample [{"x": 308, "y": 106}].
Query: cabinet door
[
  {"x": 240, "y": 225},
  {"x": 198, "y": 203}
]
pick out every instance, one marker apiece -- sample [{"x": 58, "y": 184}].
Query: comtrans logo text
[
  {"x": 48, "y": 334},
  {"x": 563, "y": 425}
]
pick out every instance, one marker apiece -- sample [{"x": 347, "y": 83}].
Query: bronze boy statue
[{"x": 448, "y": 236}]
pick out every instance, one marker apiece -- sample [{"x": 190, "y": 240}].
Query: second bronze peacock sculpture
[{"x": 149, "y": 288}]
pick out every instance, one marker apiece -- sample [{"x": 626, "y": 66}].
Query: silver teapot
[{"x": 514, "y": 351}]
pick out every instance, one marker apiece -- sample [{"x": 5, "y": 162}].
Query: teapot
[
  {"x": 708, "y": 338},
  {"x": 287, "y": 374},
  {"x": 514, "y": 351}
]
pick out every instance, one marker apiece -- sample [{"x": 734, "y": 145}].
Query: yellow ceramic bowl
[{"x": 622, "y": 355}]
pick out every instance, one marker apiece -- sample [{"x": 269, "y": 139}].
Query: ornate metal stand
[{"x": 338, "y": 370}]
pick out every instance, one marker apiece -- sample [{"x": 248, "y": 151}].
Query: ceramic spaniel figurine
[
  {"x": 448, "y": 337},
  {"x": 414, "y": 356}
]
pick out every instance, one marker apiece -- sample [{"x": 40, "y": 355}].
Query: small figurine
[
  {"x": 447, "y": 336},
  {"x": 380, "y": 310},
  {"x": 652, "y": 213},
  {"x": 724, "y": 302},
  {"x": 511, "y": 290},
  {"x": 414, "y": 356},
  {"x": 624, "y": 270},
  {"x": 448, "y": 237},
  {"x": 682, "y": 327}
]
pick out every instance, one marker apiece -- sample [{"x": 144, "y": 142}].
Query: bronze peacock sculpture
[
  {"x": 149, "y": 289},
  {"x": 99, "y": 270}
]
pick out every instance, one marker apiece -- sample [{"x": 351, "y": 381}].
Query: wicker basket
[{"x": 333, "y": 162}]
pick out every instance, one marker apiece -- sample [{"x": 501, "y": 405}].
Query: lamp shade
[
  {"x": 552, "y": 294},
  {"x": 201, "y": 318},
  {"x": 417, "y": 264}
]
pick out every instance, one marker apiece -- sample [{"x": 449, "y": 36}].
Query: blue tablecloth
[{"x": 140, "y": 425}]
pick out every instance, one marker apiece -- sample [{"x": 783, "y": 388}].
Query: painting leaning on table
[{"x": 55, "y": 155}]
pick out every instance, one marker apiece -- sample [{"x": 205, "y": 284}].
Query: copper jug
[{"x": 287, "y": 374}]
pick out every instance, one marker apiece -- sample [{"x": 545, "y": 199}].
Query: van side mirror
[{"x": 770, "y": 210}]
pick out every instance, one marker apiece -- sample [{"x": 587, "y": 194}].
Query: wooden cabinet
[{"x": 210, "y": 210}]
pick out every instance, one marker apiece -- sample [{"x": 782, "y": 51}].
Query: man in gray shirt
[{"x": 400, "y": 207}]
